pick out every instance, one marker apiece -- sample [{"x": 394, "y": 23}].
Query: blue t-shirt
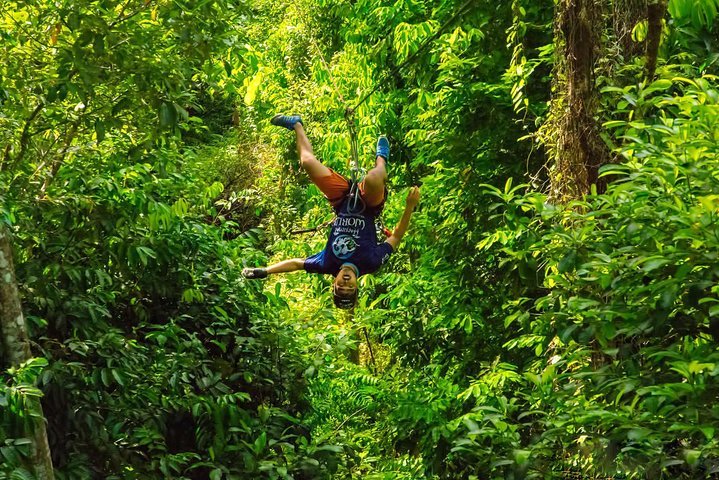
[{"x": 353, "y": 239}]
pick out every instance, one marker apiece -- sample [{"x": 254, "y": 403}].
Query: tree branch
[
  {"x": 655, "y": 14},
  {"x": 25, "y": 135},
  {"x": 6, "y": 156},
  {"x": 129, "y": 15},
  {"x": 69, "y": 137}
]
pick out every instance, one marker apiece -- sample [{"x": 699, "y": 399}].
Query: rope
[
  {"x": 352, "y": 127},
  {"x": 329, "y": 71},
  {"x": 369, "y": 346},
  {"x": 356, "y": 205},
  {"x": 313, "y": 229}
]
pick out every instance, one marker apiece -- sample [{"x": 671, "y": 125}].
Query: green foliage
[
  {"x": 619, "y": 359},
  {"x": 526, "y": 340},
  {"x": 693, "y": 31},
  {"x": 164, "y": 363},
  {"x": 159, "y": 346},
  {"x": 513, "y": 338},
  {"x": 19, "y": 412}
]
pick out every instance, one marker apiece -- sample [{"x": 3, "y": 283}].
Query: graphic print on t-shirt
[
  {"x": 344, "y": 246},
  {"x": 353, "y": 239},
  {"x": 349, "y": 225}
]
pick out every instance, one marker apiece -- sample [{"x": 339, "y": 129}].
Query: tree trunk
[
  {"x": 578, "y": 150},
  {"x": 655, "y": 14},
  {"x": 626, "y": 15},
  {"x": 16, "y": 349}
]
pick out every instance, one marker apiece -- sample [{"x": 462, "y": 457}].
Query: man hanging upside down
[{"x": 352, "y": 249}]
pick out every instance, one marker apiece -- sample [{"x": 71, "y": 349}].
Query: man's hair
[{"x": 344, "y": 301}]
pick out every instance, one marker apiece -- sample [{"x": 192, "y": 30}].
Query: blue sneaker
[
  {"x": 383, "y": 147},
  {"x": 287, "y": 121}
]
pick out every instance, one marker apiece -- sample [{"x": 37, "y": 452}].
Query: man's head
[{"x": 344, "y": 288}]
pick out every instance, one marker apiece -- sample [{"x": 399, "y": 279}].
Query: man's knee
[
  {"x": 373, "y": 187},
  {"x": 375, "y": 179},
  {"x": 307, "y": 159}
]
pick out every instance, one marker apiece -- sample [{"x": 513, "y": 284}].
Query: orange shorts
[{"x": 336, "y": 187}]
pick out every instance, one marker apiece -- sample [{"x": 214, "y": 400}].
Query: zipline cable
[{"x": 355, "y": 198}]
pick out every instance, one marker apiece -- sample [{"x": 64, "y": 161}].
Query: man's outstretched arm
[
  {"x": 403, "y": 225},
  {"x": 284, "y": 266}
]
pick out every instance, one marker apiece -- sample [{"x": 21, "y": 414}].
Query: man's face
[{"x": 346, "y": 282}]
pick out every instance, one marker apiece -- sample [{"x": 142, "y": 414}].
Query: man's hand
[
  {"x": 413, "y": 197},
  {"x": 254, "y": 272},
  {"x": 403, "y": 225}
]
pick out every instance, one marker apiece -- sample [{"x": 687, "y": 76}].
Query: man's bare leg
[
  {"x": 309, "y": 162},
  {"x": 375, "y": 180}
]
